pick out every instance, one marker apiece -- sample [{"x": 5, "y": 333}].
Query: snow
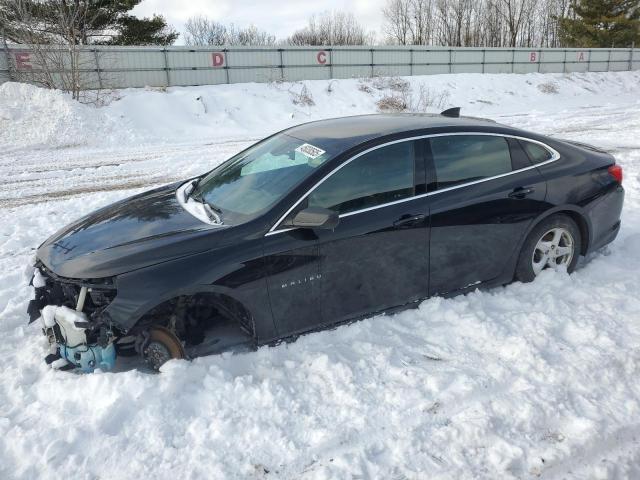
[
  {"x": 197, "y": 209},
  {"x": 527, "y": 381},
  {"x": 48, "y": 316}
]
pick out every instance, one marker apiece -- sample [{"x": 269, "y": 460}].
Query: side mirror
[{"x": 314, "y": 217}]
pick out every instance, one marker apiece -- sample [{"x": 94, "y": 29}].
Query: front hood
[{"x": 139, "y": 231}]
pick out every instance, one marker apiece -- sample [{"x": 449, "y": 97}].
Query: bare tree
[
  {"x": 200, "y": 30},
  {"x": 490, "y": 23},
  {"x": 409, "y": 22},
  {"x": 52, "y": 66},
  {"x": 397, "y": 14},
  {"x": 423, "y": 15},
  {"x": 515, "y": 13},
  {"x": 331, "y": 28}
]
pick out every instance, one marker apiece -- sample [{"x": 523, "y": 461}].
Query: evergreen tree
[
  {"x": 82, "y": 22},
  {"x": 602, "y": 23}
]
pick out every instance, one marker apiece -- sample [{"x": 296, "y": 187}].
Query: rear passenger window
[
  {"x": 381, "y": 176},
  {"x": 537, "y": 153},
  {"x": 465, "y": 158}
]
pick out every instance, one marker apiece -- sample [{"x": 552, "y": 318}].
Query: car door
[
  {"x": 377, "y": 256},
  {"x": 485, "y": 193},
  {"x": 292, "y": 263}
]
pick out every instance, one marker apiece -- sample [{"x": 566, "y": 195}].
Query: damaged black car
[{"x": 322, "y": 223}]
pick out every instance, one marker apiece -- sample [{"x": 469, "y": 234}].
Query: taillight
[{"x": 616, "y": 172}]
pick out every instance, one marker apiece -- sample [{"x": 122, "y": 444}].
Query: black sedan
[{"x": 321, "y": 223}]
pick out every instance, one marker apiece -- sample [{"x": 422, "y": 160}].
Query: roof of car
[{"x": 339, "y": 134}]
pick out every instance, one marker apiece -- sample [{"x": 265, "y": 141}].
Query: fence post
[
  {"x": 372, "y": 72},
  {"x": 226, "y": 64},
  {"x": 513, "y": 60},
  {"x": 166, "y": 66},
  {"x": 484, "y": 54},
  {"x": 564, "y": 62},
  {"x": 450, "y": 61},
  {"x": 331, "y": 63},
  {"x": 95, "y": 56},
  {"x": 609, "y": 61},
  {"x": 280, "y": 50},
  {"x": 8, "y": 58},
  {"x": 631, "y": 56},
  {"x": 411, "y": 62}
]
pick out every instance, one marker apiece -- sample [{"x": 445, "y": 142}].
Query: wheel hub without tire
[
  {"x": 553, "y": 250},
  {"x": 162, "y": 347}
]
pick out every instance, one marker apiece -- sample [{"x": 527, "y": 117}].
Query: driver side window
[{"x": 381, "y": 176}]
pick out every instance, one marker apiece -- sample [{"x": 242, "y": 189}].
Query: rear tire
[{"x": 555, "y": 242}]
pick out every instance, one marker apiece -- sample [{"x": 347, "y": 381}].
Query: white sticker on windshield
[{"x": 310, "y": 151}]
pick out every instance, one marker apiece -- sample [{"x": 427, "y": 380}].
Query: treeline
[
  {"x": 513, "y": 23},
  {"x": 470, "y": 23},
  {"x": 474, "y": 23}
]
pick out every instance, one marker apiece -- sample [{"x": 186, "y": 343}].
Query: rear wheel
[{"x": 554, "y": 243}]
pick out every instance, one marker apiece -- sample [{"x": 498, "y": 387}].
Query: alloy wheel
[{"x": 553, "y": 250}]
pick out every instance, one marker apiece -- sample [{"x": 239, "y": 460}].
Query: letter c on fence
[
  {"x": 217, "y": 59},
  {"x": 322, "y": 57},
  {"x": 23, "y": 60},
  {"x": 532, "y": 57}
]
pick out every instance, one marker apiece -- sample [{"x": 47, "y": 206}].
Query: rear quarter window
[{"x": 537, "y": 153}]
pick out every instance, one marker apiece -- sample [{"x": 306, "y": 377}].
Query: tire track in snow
[
  {"x": 617, "y": 442},
  {"x": 437, "y": 416},
  {"x": 36, "y": 177}
]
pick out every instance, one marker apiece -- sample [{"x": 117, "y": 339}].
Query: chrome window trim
[{"x": 554, "y": 157}]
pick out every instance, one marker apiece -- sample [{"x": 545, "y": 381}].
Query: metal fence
[{"x": 122, "y": 67}]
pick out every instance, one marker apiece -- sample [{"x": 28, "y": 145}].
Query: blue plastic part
[{"x": 88, "y": 358}]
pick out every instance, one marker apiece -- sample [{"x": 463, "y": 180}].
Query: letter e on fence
[
  {"x": 533, "y": 56},
  {"x": 322, "y": 57},
  {"x": 23, "y": 61},
  {"x": 217, "y": 59}
]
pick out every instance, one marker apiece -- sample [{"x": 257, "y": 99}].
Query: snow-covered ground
[{"x": 526, "y": 381}]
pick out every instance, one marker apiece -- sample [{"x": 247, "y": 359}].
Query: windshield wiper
[
  {"x": 214, "y": 213},
  {"x": 188, "y": 192}
]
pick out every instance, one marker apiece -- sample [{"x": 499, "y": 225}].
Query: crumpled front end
[{"x": 71, "y": 313}]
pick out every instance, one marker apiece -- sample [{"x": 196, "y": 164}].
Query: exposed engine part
[
  {"x": 67, "y": 331},
  {"x": 126, "y": 346},
  {"x": 52, "y": 289},
  {"x": 61, "y": 364},
  {"x": 82, "y": 296},
  {"x": 158, "y": 345},
  {"x": 89, "y": 357}
]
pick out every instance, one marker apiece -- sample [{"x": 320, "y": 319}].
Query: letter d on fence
[{"x": 217, "y": 59}]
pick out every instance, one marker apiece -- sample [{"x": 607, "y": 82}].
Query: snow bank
[{"x": 31, "y": 116}]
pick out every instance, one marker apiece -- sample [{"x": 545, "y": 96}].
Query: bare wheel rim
[{"x": 553, "y": 250}]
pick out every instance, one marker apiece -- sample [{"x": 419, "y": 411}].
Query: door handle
[
  {"x": 521, "y": 192},
  {"x": 408, "y": 220}
]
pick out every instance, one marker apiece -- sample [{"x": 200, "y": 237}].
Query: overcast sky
[{"x": 280, "y": 17}]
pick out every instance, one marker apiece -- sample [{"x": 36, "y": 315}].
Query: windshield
[{"x": 246, "y": 185}]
